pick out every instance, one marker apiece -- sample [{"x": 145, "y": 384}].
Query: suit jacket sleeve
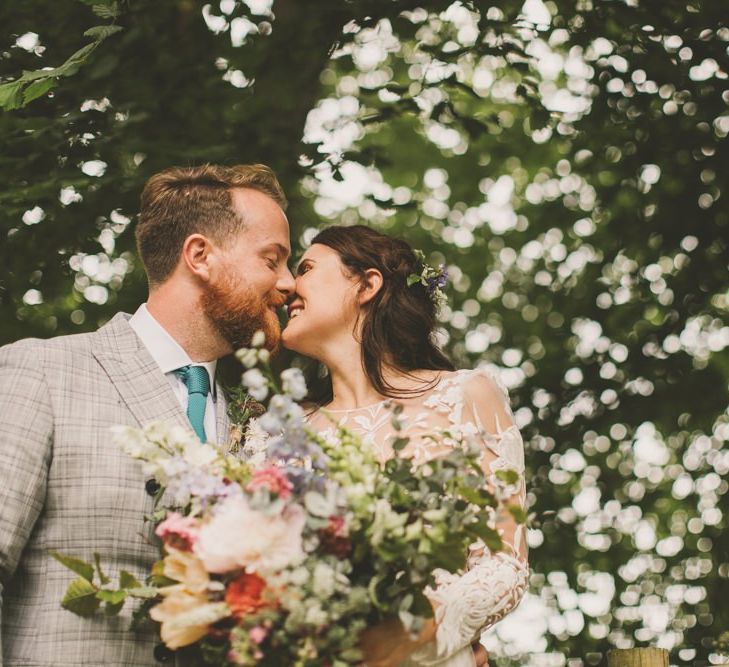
[{"x": 26, "y": 429}]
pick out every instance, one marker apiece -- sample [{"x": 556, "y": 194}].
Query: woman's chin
[{"x": 290, "y": 340}]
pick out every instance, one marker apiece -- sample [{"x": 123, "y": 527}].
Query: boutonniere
[{"x": 243, "y": 410}]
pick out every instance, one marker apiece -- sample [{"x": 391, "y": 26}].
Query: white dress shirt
[{"x": 170, "y": 356}]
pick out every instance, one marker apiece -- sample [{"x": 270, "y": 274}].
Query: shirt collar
[{"x": 165, "y": 350}]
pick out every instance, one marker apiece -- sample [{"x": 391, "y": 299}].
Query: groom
[{"x": 214, "y": 242}]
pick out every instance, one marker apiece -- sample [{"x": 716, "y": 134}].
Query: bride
[{"x": 357, "y": 313}]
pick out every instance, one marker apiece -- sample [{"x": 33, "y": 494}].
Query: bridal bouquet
[{"x": 282, "y": 551}]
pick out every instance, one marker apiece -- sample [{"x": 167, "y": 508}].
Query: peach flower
[{"x": 238, "y": 537}]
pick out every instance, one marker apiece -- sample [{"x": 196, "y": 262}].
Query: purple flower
[{"x": 439, "y": 281}]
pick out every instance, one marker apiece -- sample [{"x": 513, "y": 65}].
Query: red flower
[
  {"x": 337, "y": 526},
  {"x": 245, "y": 595},
  {"x": 334, "y": 538}
]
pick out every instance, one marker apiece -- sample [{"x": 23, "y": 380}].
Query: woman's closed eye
[{"x": 302, "y": 268}]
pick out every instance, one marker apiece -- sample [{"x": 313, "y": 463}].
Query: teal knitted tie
[{"x": 198, "y": 386}]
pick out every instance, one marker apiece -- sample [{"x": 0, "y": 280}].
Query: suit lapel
[
  {"x": 221, "y": 414},
  {"x": 136, "y": 376}
]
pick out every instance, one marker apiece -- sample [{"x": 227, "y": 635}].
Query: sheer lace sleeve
[{"x": 467, "y": 603}]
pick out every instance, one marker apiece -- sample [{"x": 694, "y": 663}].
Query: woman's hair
[{"x": 398, "y": 323}]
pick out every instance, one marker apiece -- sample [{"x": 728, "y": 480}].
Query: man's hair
[{"x": 181, "y": 201}]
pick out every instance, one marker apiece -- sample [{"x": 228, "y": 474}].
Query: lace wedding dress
[{"x": 473, "y": 404}]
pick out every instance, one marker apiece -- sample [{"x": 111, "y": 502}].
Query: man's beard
[{"x": 237, "y": 312}]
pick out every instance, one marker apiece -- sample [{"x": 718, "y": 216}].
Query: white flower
[
  {"x": 170, "y": 467},
  {"x": 316, "y": 616},
  {"x": 356, "y": 492},
  {"x": 323, "y": 581},
  {"x": 157, "y": 431},
  {"x": 199, "y": 455},
  {"x": 256, "y": 384},
  {"x": 285, "y": 406},
  {"x": 259, "y": 339},
  {"x": 435, "y": 515},
  {"x": 259, "y": 394},
  {"x": 298, "y": 576},
  {"x": 247, "y": 357},
  {"x": 238, "y": 536},
  {"x": 133, "y": 441},
  {"x": 255, "y": 444},
  {"x": 182, "y": 437},
  {"x": 319, "y": 504},
  {"x": 254, "y": 379},
  {"x": 294, "y": 383},
  {"x": 270, "y": 423}
]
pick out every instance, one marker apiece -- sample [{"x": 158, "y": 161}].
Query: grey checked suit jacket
[{"x": 65, "y": 486}]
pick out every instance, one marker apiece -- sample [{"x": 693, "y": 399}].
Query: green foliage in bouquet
[
  {"x": 424, "y": 518},
  {"x": 84, "y": 597}
]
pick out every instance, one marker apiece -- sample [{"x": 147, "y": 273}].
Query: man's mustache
[{"x": 279, "y": 301}]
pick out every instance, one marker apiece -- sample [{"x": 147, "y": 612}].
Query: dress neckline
[
  {"x": 363, "y": 407},
  {"x": 444, "y": 378}
]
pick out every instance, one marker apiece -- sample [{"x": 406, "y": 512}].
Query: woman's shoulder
[{"x": 470, "y": 380}]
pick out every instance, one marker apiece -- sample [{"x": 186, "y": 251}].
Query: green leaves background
[{"x": 569, "y": 169}]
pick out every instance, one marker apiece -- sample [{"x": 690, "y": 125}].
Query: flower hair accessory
[{"x": 434, "y": 280}]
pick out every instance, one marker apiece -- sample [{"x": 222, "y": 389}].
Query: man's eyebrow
[{"x": 281, "y": 250}]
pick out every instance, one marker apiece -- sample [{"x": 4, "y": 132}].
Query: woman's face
[{"x": 324, "y": 307}]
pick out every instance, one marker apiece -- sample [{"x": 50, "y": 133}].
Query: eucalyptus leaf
[
  {"x": 519, "y": 513},
  {"x": 398, "y": 444},
  {"x": 106, "y": 11},
  {"x": 101, "y": 32},
  {"x": 86, "y": 570},
  {"x": 127, "y": 580},
  {"x": 11, "y": 95},
  {"x": 112, "y": 597},
  {"x": 145, "y": 592},
  {"x": 102, "y": 577},
  {"x": 80, "y": 598},
  {"x": 113, "y": 609},
  {"x": 508, "y": 476},
  {"x": 37, "y": 89}
]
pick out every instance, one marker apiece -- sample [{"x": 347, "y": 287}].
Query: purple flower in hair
[
  {"x": 434, "y": 280},
  {"x": 439, "y": 281}
]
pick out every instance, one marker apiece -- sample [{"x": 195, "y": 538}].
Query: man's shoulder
[{"x": 70, "y": 345}]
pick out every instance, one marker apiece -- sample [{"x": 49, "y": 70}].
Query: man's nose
[{"x": 286, "y": 283}]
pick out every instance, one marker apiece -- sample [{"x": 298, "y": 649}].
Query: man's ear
[
  {"x": 196, "y": 254},
  {"x": 370, "y": 286}
]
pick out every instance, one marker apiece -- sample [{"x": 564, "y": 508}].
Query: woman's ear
[
  {"x": 196, "y": 254},
  {"x": 370, "y": 286}
]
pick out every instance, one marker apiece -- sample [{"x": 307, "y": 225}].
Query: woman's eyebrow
[{"x": 301, "y": 264}]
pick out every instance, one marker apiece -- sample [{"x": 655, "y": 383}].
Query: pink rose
[
  {"x": 257, "y": 634},
  {"x": 178, "y": 531},
  {"x": 273, "y": 479}
]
